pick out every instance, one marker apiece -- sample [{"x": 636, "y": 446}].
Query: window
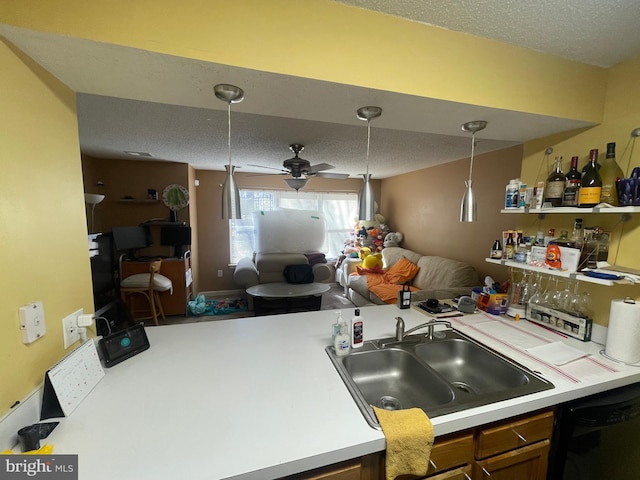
[{"x": 340, "y": 210}]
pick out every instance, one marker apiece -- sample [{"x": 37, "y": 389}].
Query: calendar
[{"x": 69, "y": 381}]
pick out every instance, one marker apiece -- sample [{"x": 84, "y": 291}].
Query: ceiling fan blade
[
  {"x": 339, "y": 176},
  {"x": 319, "y": 168},
  {"x": 270, "y": 168}
]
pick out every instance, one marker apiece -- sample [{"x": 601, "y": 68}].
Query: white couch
[
  {"x": 438, "y": 277},
  {"x": 284, "y": 237}
]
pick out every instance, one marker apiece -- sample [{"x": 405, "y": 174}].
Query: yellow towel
[{"x": 409, "y": 436}]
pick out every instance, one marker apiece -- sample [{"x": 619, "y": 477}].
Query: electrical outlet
[
  {"x": 32, "y": 322},
  {"x": 219, "y": 273},
  {"x": 70, "y": 328}
]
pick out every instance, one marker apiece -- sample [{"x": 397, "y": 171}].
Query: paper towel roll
[{"x": 623, "y": 335}]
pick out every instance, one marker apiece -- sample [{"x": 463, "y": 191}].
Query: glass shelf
[
  {"x": 618, "y": 210},
  {"x": 558, "y": 273}
]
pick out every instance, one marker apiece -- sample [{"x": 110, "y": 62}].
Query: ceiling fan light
[
  {"x": 296, "y": 183},
  {"x": 230, "y": 196}
]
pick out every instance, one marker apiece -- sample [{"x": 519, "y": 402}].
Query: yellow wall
[
  {"x": 43, "y": 233},
  {"x": 327, "y": 40},
  {"x": 621, "y": 115},
  {"x": 43, "y": 217}
]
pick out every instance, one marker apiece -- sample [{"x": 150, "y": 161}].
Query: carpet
[{"x": 331, "y": 300}]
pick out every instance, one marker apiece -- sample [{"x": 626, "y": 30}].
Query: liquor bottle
[
  {"x": 610, "y": 173},
  {"x": 577, "y": 237},
  {"x": 591, "y": 183},
  {"x": 572, "y": 185},
  {"x": 510, "y": 247},
  {"x": 555, "y": 185},
  {"x": 496, "y": 250}
]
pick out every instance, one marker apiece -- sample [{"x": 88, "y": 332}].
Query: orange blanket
[{"x": 381, "y": 284}]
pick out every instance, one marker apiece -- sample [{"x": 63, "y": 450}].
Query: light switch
[{"x": 32, "y": 322}]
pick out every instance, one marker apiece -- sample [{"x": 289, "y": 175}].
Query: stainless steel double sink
[{"x": 441, "y": 373}]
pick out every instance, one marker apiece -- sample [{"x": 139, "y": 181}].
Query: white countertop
[{"x": 258, "y": 397}]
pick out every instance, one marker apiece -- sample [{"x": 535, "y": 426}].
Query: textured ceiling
[
  {"x": 134, "y": 100},
  {"x": 597, "y": 32}
]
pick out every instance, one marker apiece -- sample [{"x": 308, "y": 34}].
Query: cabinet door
[
  {"x": 450, "y": 452},
  {"x": 460, "y": 473},
  {"x": 526, "y": 463},
  {"x": 507, "y": 436}
]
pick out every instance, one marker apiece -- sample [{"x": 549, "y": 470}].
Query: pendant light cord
[
  {"x": 229, "y": 131},
  {"x": 473, "y": 144},
  {"x": 368, "y": 143}
]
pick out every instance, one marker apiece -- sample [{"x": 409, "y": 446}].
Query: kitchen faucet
[{"x": 401, "y": 334}]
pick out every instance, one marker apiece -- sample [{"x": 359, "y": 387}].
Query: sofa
[
  {"x": 269, "y": 267},
  {"x": 284, "y": 237},
  {"x": 436, "y": 277}
]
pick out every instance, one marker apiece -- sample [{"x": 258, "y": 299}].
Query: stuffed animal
[
  {"x": 364, "y": 252},
  {"x": 372, "y": 261},
  {"x": 393, "y": 239}
]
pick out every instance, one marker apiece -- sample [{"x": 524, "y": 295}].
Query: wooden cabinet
[
  {"x": 514, "y": 449},
  {"x": 517, "y": 448},
  {"x": 451, "y": 456},
  {"x": 526, "y": 463},
  {"x": 178, "y": 270}
]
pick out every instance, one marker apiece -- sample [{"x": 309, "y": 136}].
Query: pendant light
[
  {"x": 230, "y": 192},
  {"x": 469, "y": 207},
  {"x": 366, "y": 202}
]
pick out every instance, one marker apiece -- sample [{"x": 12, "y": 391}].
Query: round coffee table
[{"x": 282, "y": 297}]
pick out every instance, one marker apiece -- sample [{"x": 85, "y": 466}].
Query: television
[
  {"x": 176, "y": 237},
  {"x": 131, "y": 239}
]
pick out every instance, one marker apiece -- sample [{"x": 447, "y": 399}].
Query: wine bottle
[
  {"x": 572, "y": 185},
  {"x": 510, "y": 248},
  {"x": 610, "y": 173},
  {"x": 555, "y": 184},
  {"x": 591, "y": 183}
]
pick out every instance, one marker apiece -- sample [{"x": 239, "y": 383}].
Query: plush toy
[
  {"x": 372, "y": 261},
  {"x": 364, "y": 252},
  {"x": 393, "y": 239}
]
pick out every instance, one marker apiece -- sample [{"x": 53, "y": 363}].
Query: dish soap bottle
[
  {"x": 357, "y": 330},
  {"x": 335, "y": 328},
  {"x": 341, "y": 343}
]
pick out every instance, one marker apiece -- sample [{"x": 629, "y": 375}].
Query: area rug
[{"x": 331, "y": 300}]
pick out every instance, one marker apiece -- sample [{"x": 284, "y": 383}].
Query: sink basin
[
  {"x": 470, "y": 367},
  {"x": 445, "y": 374},
  {"x": 393, "y": 379}
]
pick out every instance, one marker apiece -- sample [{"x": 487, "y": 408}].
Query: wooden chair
[{"x": 148, "y": 285}]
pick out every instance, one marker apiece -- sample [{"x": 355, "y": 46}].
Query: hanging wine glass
[
  {"x": 564, "y": 296},
  {"x": 549, "y": 296},
  {"x": 537, "y": 290}
]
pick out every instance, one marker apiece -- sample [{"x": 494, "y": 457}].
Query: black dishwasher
[{"x": 597, "y": 437}]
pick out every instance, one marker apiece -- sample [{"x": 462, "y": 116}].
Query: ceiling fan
[{"x": 298, "y": 167}]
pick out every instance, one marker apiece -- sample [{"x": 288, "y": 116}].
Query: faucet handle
[{"x": 399, "y": 328}]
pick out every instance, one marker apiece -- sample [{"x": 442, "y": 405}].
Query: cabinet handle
[
  {"x": 435, "y": 467},
  {"x": 484, "y": 470},
  {"x": 522, "y": 439},
  {"x": 467, "y": 477}
]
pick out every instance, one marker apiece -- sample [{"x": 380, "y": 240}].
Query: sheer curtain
[{"x": 340, "y": 210}]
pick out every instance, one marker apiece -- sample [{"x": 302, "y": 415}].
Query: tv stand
[{"x": 178, "y": 270}]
